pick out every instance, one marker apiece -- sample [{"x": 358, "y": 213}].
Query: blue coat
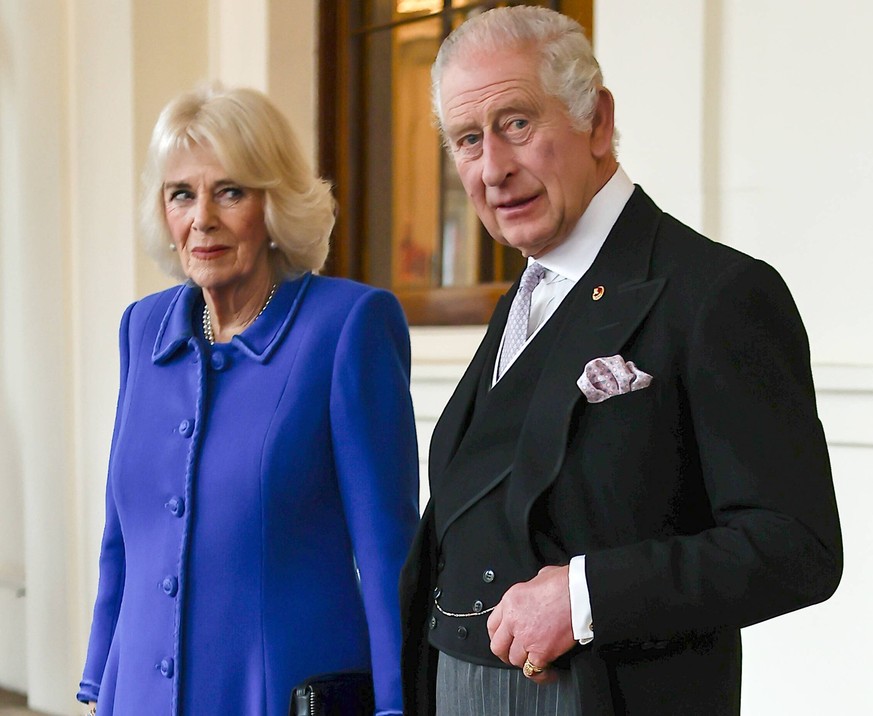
[{"x": 247, "y": 481}]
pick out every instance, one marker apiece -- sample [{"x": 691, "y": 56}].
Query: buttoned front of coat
[{"x": 247, "y": 482}]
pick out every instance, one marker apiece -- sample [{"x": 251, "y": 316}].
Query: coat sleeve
[
  {"x": 376, "y": 455},
  {"x": 775, "y": 542},
  {"x": 110, "y": 586}
]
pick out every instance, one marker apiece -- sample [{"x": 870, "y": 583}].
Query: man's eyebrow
[
  {"x": 527, "y": 108},
  {"x": 492, "y": 117},
  {"x": 460, "y": 130}
]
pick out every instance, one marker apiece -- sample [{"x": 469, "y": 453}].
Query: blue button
[
  {"x": 219, "y": 361},
  {"x": 170, "y": 585},
  {"x": 186, "y": 428},
  {"x": 176, "y": 506},
  {"x": 166, "y": 667}
]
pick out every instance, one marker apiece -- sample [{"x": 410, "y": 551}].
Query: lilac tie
[{"x": 516, "y": 331}]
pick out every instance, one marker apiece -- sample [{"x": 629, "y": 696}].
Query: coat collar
[{"x": 259, "y": 341}]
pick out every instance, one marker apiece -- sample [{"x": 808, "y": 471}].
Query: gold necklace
[{"x": 207, "y": 320}]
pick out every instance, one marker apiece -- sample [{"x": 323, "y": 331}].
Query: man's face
[{"x": 529, "y": 173}]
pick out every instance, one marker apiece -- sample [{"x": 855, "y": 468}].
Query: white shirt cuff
[{"x": 580, "y": 602}]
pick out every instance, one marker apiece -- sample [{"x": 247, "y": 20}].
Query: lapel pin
[{"x": 597, "y": 293}]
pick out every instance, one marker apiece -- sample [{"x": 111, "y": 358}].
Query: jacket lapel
[
  {"x": 456, "y": 416},
  {"x": 591, "y": 328}
]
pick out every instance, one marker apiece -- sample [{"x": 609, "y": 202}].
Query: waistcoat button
[
  {"x": 166, "y": 667},
  {"x": 488, "y": 576}
]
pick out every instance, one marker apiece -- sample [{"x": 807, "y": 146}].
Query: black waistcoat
[{"x": 479, "y": 559}]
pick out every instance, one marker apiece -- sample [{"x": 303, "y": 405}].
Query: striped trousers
[{"x": 465, "y": 689}]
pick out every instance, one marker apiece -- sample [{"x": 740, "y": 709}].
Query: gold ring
[{"x": 530, "y": 668}]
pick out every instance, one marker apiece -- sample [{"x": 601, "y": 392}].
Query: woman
[{"x": 264, "y": 448}]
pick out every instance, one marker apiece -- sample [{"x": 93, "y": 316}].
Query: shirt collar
[{"x": 574, "y": 256}]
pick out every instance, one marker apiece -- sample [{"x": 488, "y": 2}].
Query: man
[{"x": 632, "y": 467}]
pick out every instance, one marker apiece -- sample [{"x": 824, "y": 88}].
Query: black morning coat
[{"x": 704, "y": 503}]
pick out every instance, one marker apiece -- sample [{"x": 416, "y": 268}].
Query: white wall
[
  {"x": 36, "y": 330},
  {"x": 12, "y": 606}
]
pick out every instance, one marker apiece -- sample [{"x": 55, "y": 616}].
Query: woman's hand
[{"x": 92, "y": 708}]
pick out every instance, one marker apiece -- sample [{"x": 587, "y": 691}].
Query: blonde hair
[{"x": 256, "y": 146}]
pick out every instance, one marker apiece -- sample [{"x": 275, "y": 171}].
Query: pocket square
[{"x": 605, "y": 377}]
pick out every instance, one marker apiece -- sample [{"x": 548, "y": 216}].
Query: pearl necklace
[{"x": 207, "y": 320}]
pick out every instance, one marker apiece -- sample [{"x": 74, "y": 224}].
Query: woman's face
[{"x": 216, "y": 224}]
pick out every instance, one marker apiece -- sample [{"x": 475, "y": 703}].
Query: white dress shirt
[{"x": 565, "y": 265}]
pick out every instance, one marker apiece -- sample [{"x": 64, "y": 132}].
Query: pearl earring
[
  {"x": 172, "y": 247},
  {"x": 273, "y": 245}
]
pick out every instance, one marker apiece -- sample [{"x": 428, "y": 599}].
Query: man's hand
[{"x": 533, "y": 621}]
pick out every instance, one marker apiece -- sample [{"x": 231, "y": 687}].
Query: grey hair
[
  {"x": 569, "y": 70},
  {"x": 257, "y": 147}
]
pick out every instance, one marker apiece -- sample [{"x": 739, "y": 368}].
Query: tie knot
[{"x": 532, "y": 275}]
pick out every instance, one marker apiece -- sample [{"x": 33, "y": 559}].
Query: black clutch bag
[{"x": 345, "y": 693}]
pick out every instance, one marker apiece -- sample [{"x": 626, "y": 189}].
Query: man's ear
[{"x": 602, "y": 124}]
